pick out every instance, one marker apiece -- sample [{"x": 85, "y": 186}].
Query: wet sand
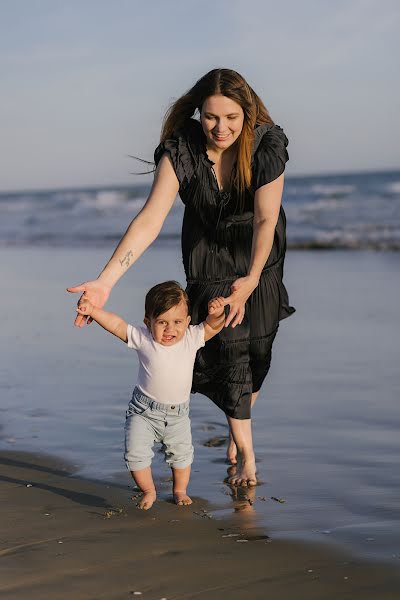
[{"x": 63, "y": 536}]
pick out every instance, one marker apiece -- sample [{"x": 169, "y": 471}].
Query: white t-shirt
[{"x": 166, "y": 372}]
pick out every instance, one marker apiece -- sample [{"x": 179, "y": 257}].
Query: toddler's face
[{"x": 169, "y": 328}]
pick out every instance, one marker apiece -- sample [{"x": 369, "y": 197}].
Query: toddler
[{"x": 159, "y": 409}]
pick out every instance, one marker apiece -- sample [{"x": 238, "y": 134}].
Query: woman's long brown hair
[{"x": 231, "y": 84}]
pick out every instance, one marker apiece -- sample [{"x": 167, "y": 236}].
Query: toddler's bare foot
[
  {"x": 147, "y": 500},
  {"x": 231, "y": 453},
  {"x": 246, "y": 474},
  {"x": 182, "y": 499}
]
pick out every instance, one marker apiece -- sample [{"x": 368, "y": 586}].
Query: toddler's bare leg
[
  {"x": 181, "y": 481},
  {"x": 144, "y": 481}
]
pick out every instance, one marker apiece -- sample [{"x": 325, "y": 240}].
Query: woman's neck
[{"x": 217, "y": 154}]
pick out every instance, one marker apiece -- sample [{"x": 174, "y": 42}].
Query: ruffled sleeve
[
  {"x": 270, "y": 154},
  {"x": 178, "y": 150}
]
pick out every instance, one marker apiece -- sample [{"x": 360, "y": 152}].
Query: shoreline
[{"x": 68, "y": 535}]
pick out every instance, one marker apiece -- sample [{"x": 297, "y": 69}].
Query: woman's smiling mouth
[{"x": 221, "y": 138}]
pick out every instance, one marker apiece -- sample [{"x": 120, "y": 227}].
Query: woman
[{"x": 228, "y": 169}]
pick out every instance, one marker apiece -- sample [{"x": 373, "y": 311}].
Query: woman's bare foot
[
  {"x": 243, "y": 497},
  {"x": 231, "y": 471},
  {"x": 182, "y": 499},
  {"x": 231, "y": 453},
  {"x": 246, "y": 474},
  {"x": 147, "y": 500}
]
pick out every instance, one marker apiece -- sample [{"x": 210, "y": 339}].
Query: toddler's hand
[
  {"x": 216, "y": 306},
  {"x": 85, "y": 308}
]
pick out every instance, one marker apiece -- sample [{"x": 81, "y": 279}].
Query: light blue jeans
[{"x": 148, "y": 421}]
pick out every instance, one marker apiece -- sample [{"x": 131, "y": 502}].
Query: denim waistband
[{"x": 167, "y": 408}]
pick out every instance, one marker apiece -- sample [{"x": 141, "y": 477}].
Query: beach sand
[
  {"x": 325, "y": 427},
  {"x": 63, "y": 536}
]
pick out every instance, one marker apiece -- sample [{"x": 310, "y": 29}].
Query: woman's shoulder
[
  {"x": 269, "y": 153},
  {"x": 184, "y": 147},
  {"x": 188, "y": 137},
  {"x": 269, "y": 137}
]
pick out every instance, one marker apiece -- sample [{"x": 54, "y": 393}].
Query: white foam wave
[
  {"x": 332, "y": 190},
  {"x": 109, "y": 199},
  {"x": 393, "y": 187},
  {"x": 108, "y": 202},
  {"x": 331, "y": 204}
]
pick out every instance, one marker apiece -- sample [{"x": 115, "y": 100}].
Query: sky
[{"x": 86, "y": 83}]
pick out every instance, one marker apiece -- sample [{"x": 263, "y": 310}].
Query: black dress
[{"x": 216, "y": 250}]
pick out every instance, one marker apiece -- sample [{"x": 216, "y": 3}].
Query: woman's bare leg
[
  {"x": 231, "y": 453},
  {"x": 254, "y": 398},
  {"x": 242, "y": 436}
]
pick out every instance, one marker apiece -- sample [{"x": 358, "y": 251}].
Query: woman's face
[{"x": 222, "y": 121}]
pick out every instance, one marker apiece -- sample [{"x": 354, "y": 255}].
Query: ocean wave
[
  {"x": 352, "y": 212},
  {"x": 106, "y": 205},
  {"x": 393, "y": 187},
  {"x": 10, "y": 206},
  {"x": 332, "y": 189},
  {"x": 327, "y": 204}
]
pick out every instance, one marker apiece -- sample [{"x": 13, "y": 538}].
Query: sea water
[{"x": 326, "y": 422}]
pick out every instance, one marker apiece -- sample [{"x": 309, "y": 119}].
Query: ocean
[
  {"x": 327, "y": 419},
  {"x": 346, "y": 211}
]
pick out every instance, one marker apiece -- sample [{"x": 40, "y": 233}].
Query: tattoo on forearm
[{"x": 127, "y": 259}]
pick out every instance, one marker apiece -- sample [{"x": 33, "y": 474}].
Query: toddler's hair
[{"x": 162, "y": 297}]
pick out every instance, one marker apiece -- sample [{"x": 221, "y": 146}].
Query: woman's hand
[
  {"x": 96, "y": 292},
  {"x": 241, "y": 289}
]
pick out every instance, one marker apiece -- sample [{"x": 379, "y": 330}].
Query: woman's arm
[
  {"x": 142, "y": 231},
  {"x": 146, "y": 226},
  {"x": 267, "y": 203}
]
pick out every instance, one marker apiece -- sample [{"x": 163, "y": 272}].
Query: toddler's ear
[
  {"x": 146, "y": 321},
  {"x": 189, "y": 318}
]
